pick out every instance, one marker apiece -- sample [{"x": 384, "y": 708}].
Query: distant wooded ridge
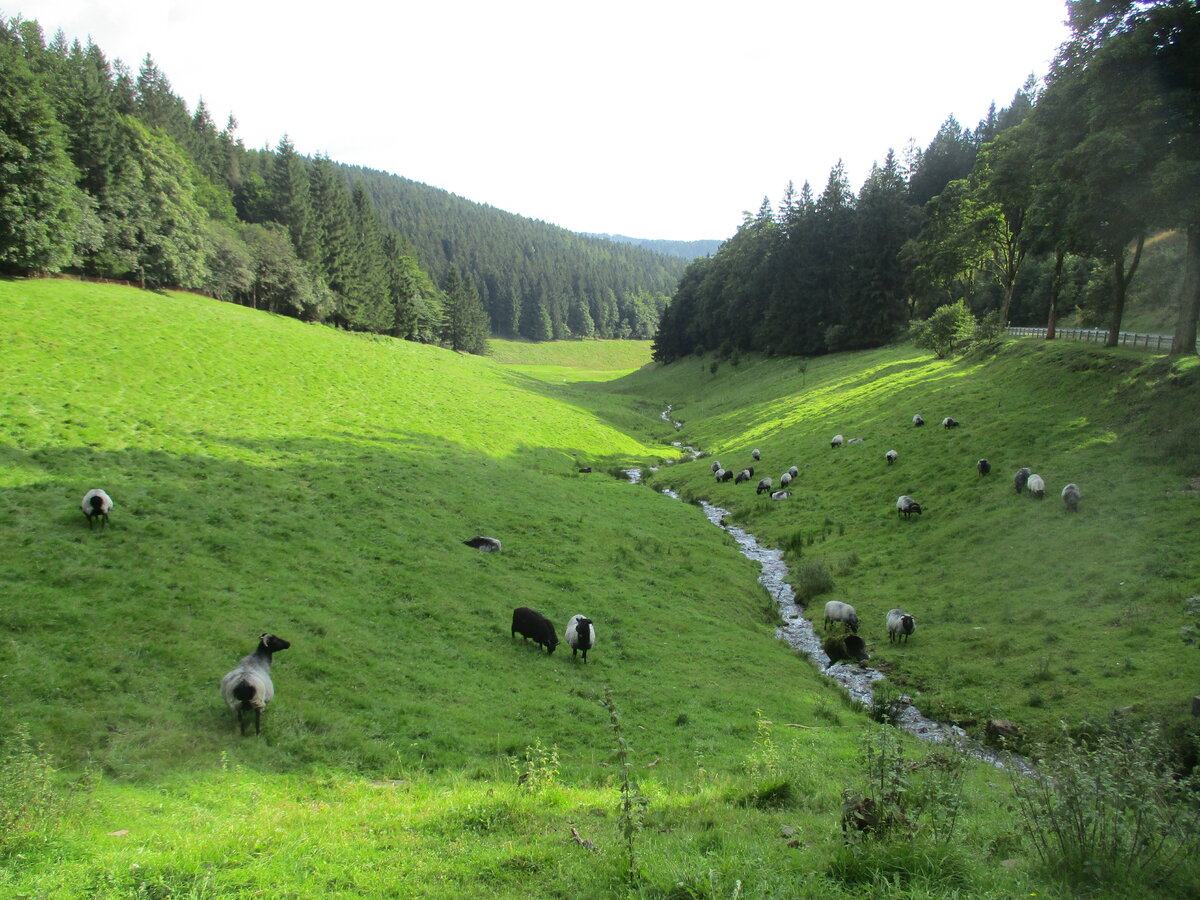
[
  {"x": 108, "y": 174},
  {"x": 683, "y": 249}
]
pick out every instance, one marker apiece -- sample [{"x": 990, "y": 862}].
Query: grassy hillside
[
  {"x": 271, "y": 475},
  {"x": 1024, "y": 611}
]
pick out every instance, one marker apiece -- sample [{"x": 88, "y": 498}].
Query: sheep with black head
[
  {"x": 249, "y": 686},
  {"x": 580, "y": 635}
]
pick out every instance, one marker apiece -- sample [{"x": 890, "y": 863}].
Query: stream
[{"x": 798, "y": 633}]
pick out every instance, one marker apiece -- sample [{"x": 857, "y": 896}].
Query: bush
[
  {"x": 945, "y": 328},
  {"x": 812, "y": 579},
  {"x": 26, "y": 795}
]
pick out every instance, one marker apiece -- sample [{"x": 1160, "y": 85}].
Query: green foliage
[
  {"x": 1107, "y": 809},
  {"x": 810, "y": 579},
  {"x": 632, "y": 811},
  {"x": 538, "y": 768},
  {"x": 943, "y": 330},
  {"x": 28, "y": 798}
]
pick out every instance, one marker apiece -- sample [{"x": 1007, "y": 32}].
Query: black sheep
[{"x": 532, "y": 624}]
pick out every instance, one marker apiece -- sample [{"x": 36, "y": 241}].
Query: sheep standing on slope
[
  {"x": 1070, "y": 495},
  {"x": 918, "y": 421},
  {"x": 532, "y": 624},
  {"x": 1020, "y": 479},
  {"x": 837, "y": 611},
  {"x": 837, "y": 441},
  {"x": 486, "y": 544},
  {"x": 784, "y": 480},
  {"x": 580, "y": 635},
  {"x": 249, "y": 687},
  {"x": 781, "y": 495},
  {"x": 719, "y": 475},
  {"x": 757, "y": 456},
  {"x": 716, "y": 466},
  {"x": 1037, "y": 487},
  {"x": 891, "y": 456},
  {"x": 794, "y": 472},
  {"x": 906, "y": 506},
  {"x": 744, "y": 475},
  {"x": 949, "y": 422},
  {"x": 900, "y": 625},
  {"x": 763, "y": 485},
  {"x": 983, "y": 467},
  {"x": 96, "y": 505}
]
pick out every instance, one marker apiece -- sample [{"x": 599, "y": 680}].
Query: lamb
[
  {"x": 837, "y": 611},
  {"x": 757, "y": 456},
  {"x": 983, "y": 467},
  {"x": 780, "y": 495},
  {"x": 1070, "y": 495},
  {"x": 763, "y": 485},
  {"x": 900, "y": 625},
  {"x": 785, "y": 479},
  {"x": 580, "y": 635},
  {"x": 845, "y": 647},
  {"x": 794, "y": 472},
  {"x": 891, "y": 456},
  {"x": 837, "y": 441},
  {"x": 96, "y": 505},
  {"x": 532, "y": 624},
  {"x": 918, "y": 421},
  {"x": 1021, "y": 478},
  {"x": 249, "y": 687},
  {"x": 1037, "y": 487},
  {"x": 486, "y": 544},
  {"x": 906, "y": 506},
  {"x": 949, "y": 422}
]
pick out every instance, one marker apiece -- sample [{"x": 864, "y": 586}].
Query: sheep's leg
[{"x": 257, "y": 721}]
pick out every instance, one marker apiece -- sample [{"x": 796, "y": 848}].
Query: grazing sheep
[
  {"x": 891, "y": 456},
  {"x": 784, "y": 480},
  {"x": 906, "y": 506},
  {"x": 585, "y": 470},
  {"x": 486, "y": 544},
  {"x": 1021, "y": 478},
  {"x": 837, "y": 441},
  {"x": 1070, "y": 495},
  {"x": 744, "y": 475},
  {"x": 837, "y": 611},
  {"x": 900, "y": 625},
  {"x": 249, "y": 687},
  {"x": 855, "y": 440},
  {"x": 918, "y": 421},
  {"x": 983, "y": 467},
  {"x": 794, "y": 472},
  {"x": 96, "y": 505},
  {"x": 845, "y": 647},
  {"x": 780, "y": 495},
  {"x": 718, "y": 474},
  {"x": 949, "y": 422},
  {"x": 1037, "y": 487},
  {"x": 580, "y": 635},
  {"x": 725, "y": 475},
  {"x": 757, "y": 456},
  {"x": 532, "y": 624},
  {"x": 763, "y": 485},
  {"x": 716, "y": 466}
]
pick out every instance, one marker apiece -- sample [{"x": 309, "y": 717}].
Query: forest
[
  {"x": 107, "y": 174},
  {"x": 1047, "y": 206}
]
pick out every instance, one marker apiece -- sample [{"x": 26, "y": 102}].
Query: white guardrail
[{"x": 1155, "y": 342}]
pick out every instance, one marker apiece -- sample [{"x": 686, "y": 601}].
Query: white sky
[{"x": 655, "y": 119}]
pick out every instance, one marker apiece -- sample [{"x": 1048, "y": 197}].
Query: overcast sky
[{"x": 655, "y": 119}]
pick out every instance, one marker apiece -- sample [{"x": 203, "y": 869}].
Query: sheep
[
  {"x": 1070, "y": 495},
  {"x": 486, "y": 544},
  {"x": 891, "y": 456},
  {"x": 983, "y": 467},
  {"x": 837, "y": 611},
  {"x": 532, "y": 624},
  {"x": 780, "y": 495},
  {"x": 855, "y": 440},
  {"x": 249, "y": 687},
  {"x": 744, "y": 475},
  {"x": 725, "y": 475},
  {"x": 1021, "y": 478},
  {"x": 949, "y": 422},
  {"x": 1037, "y": 487},
  {"x": 845, "y": 647},
  {"x": 900, "y": 625},
  {"x": 837, "y": 441},
  {"x": 96, "y": 505},
  {"x": 585, "y": 470},
  {"x": 906, "y": 506},
  {"x": 794, "y": 472},
  {"x": 918, "y": 421},
  {"x": 764, "y": 485},
  {"x": 716, "y": 466},
  {"x": 580, "y": 635},
  {"x": 784, "y": 480},
  {"x": 757, "y": 456},
  {"x": 719, "y": 475}
]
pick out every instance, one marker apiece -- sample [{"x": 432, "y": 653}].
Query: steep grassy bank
[{"x": 1024, "y": 611}]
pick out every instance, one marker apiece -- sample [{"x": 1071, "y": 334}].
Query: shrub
[
  {"x": 812, "y": 578},
  {"x": 945, "y": 328},
  {"x": 27, "y": 798}
]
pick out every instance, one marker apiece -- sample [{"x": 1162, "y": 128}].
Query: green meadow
[{"x": 270, "y": 475}]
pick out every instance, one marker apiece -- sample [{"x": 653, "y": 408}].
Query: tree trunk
[
  {"x": 1122, "y": 286},
  {"x": 1189, "y": 296},
  {"x": 1055, "y": 290}
]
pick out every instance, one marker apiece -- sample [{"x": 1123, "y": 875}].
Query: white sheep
[
  {"x": 756, "y": 455},
  {"x": 785, "y": 479},
  {"x": 900, "y": 625},
  {"x": 891, "y": 456},
  {"x": 1070, "y": 495},
  {"x": 781, "y": 495},
  {"x": 918, "y": 421},
  {"x": 837, "y": 611},
  {"x": 580, "y": 635},
  {"x": 837, "y": 441},
  {"x": 1037, "y": 487},
  {"x": 906, "y": 506},
  {"x": 949, "y": 422},
  {"x": 96, "y": 505},
  {"x": 794, "y": 472},
  {"x": 716, "y": 466},
  {"x": 249, "y": 685}
]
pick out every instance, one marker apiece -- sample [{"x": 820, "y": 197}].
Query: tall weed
[{"x": 27, "y": 797}]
